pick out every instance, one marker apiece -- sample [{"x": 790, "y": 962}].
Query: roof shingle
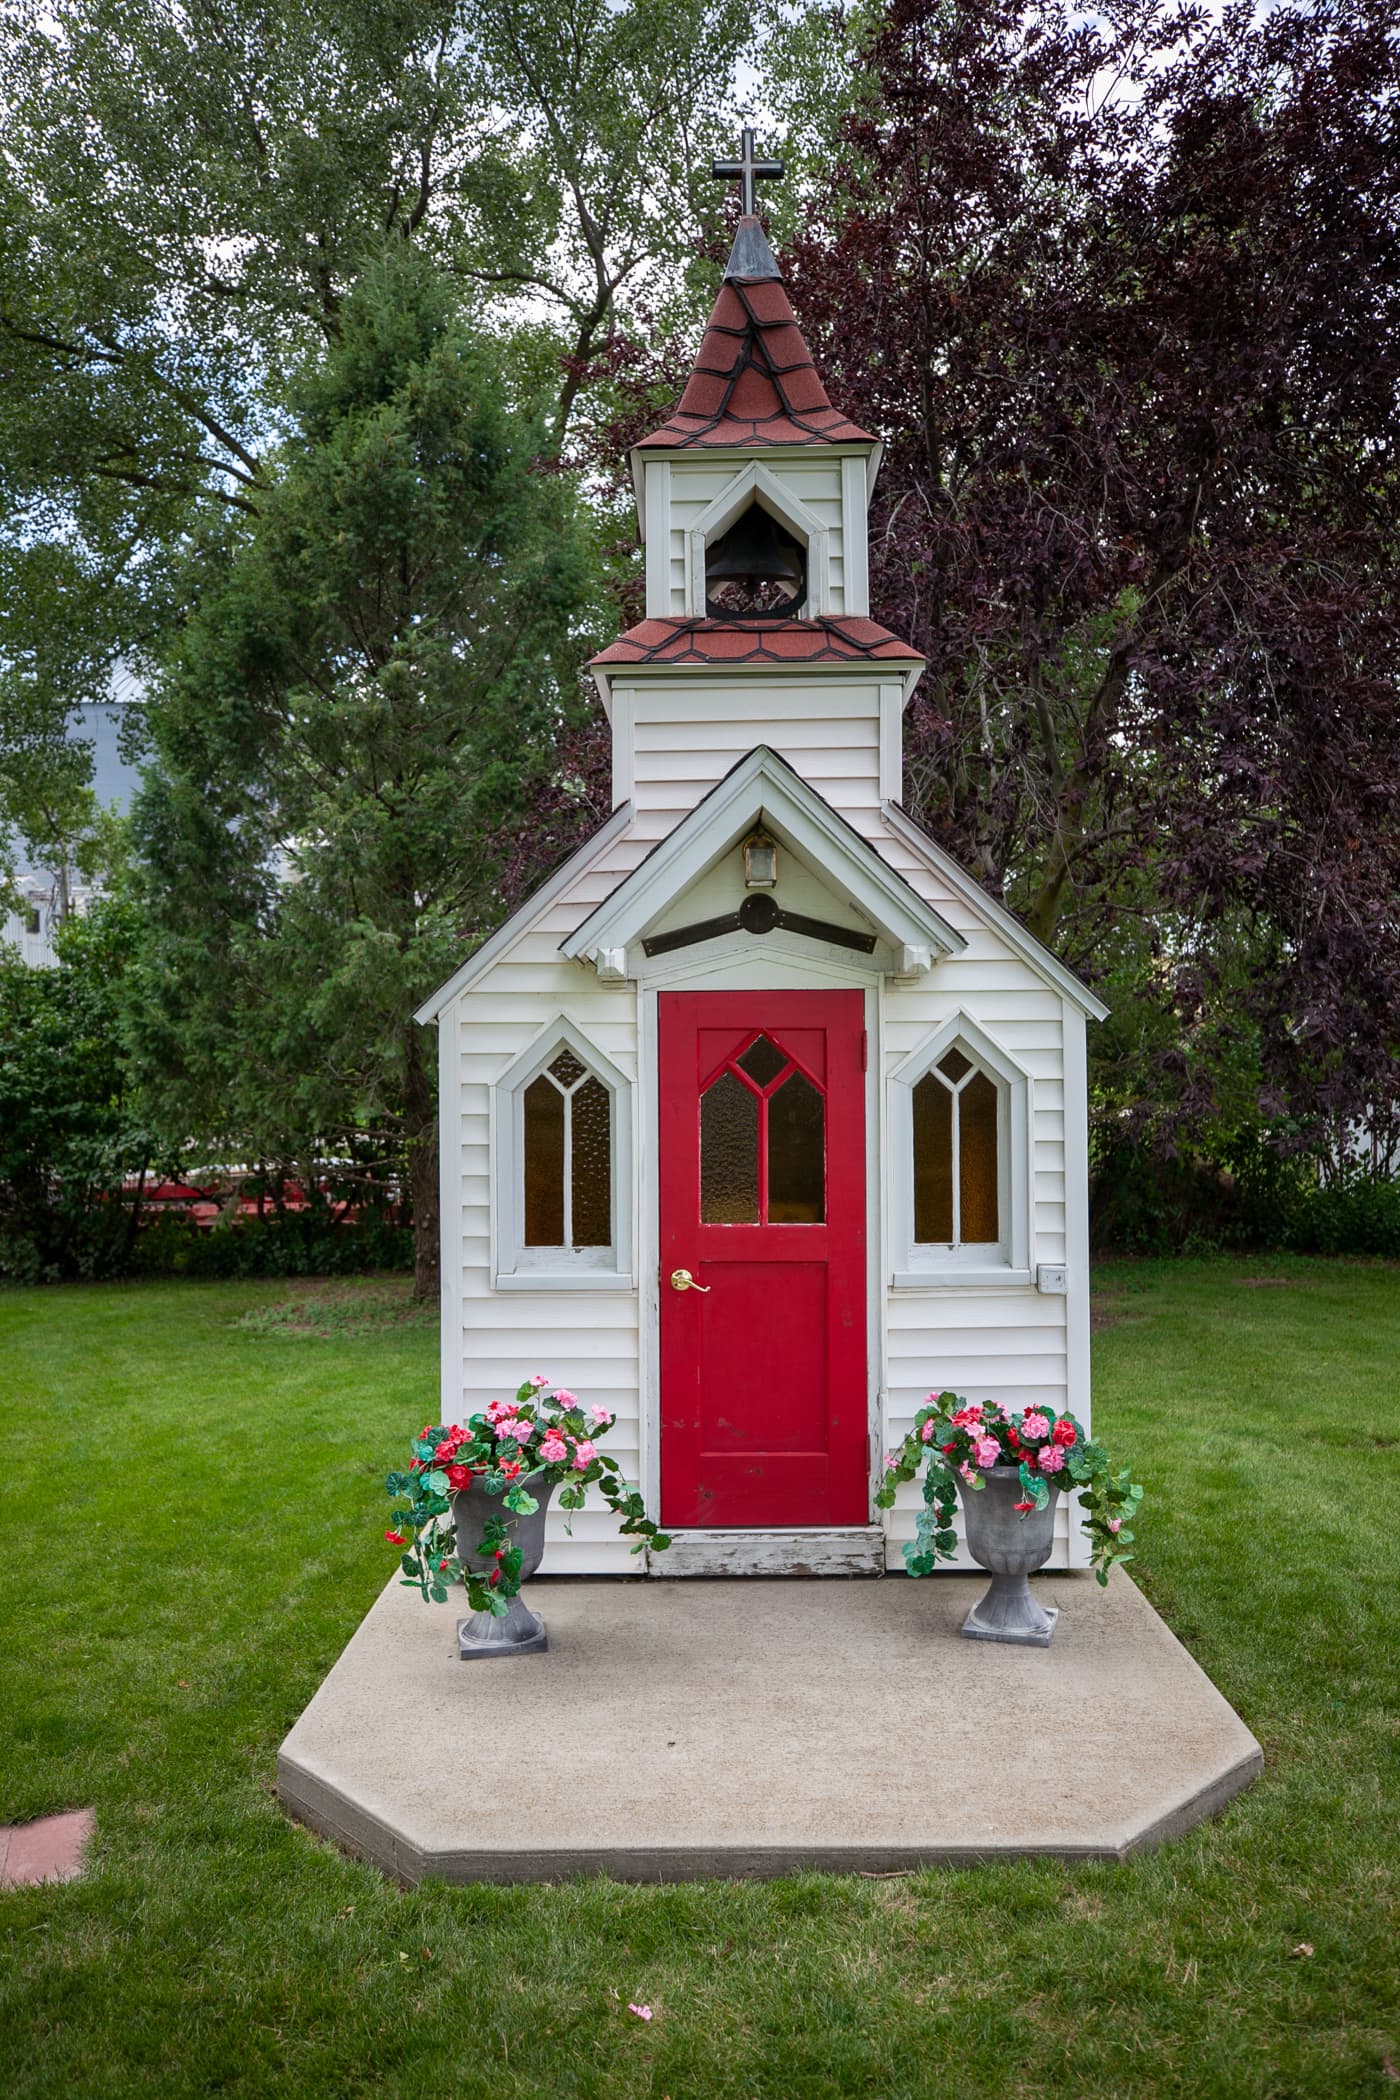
[
  {"x": 754, "y": 383},
  {"x": 774, "y": 641}
]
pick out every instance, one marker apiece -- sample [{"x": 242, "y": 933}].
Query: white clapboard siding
[
  {"x": 682, "y": 733},
  {"x": 688, "y": 733}
]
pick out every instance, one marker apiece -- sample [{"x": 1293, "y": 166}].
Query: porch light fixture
[{"x": 760, "y": 861}]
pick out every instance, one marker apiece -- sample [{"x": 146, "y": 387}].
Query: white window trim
[
  {"x": 516, "y": 1267},
  {"x": 922, "y": 1267}
]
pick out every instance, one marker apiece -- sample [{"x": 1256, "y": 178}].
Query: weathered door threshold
[{"x": 857, "y": 1549}]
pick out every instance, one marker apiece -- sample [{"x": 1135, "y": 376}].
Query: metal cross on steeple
[{"x": 747, "y": 169}]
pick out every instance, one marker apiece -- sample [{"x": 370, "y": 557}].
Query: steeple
[{"x": 754, "y": 383}]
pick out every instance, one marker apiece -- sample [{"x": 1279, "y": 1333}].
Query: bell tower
[{"x": 753, "y": 503}]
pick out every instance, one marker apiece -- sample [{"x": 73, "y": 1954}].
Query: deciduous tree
[
  {"x": 188, "y": 194},
  {"x": 1122, "y": 294}
]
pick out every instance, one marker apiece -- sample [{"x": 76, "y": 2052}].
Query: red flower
[
  {"x": 1023, "y": 1506},
  {"x": 442, "y": 1563},
  {"x": 396, "y": 1538},
  {"x": 493, "y": 1578},
  {"x": 1012, "y": 1438},
  {"x": 459, "y": 1479},
  {"x": 510, "y": 1468},
  {"x": 1063, "y": 1433},
  {"x": 947, "y": 1447}
]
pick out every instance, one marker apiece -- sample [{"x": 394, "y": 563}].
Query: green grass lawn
[{"x": 192, "y": 1512}]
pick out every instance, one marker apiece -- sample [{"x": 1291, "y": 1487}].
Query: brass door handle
[{"x": 682, "y": 1280}]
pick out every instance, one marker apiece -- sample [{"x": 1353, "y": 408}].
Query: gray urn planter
[
  {"x": 483, "y": 1637},
  {"x": 1010, "y": 1547}
]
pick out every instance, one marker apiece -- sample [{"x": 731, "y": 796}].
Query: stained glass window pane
[
  {"x": 566, "y": 1068},
  {"x": 796, "y": 1154},
  {"x": 953, "y": 1065},
  {"x": 933, "y": 1162},
  {"x": 977, "y": 1163},
  {"x": 729, "y": 1153},
  {"x": 762, "y": 1061},
  {"x": 544, "y": 1164},
  {"x": 591, "y": 1165}
]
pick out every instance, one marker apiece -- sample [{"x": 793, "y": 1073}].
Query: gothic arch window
[
  {"x": 561, "y": 1167},
  {"x": 960, "y": 1120}
]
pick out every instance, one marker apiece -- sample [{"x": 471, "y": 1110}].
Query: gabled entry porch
[{"x": 681, "y": 1730}]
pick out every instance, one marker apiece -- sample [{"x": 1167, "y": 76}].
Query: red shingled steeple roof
[{"x": 754, "y": 382}]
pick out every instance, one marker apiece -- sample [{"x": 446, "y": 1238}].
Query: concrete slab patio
[{"x": 677, "y": 1730}]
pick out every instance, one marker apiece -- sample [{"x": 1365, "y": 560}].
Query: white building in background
[{"x": 45, "y": 894}]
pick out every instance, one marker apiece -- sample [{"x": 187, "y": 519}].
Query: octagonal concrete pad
[{"x": 684, "y": 1729}]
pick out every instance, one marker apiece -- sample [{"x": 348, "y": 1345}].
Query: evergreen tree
[{"x": 370, "y": 676}]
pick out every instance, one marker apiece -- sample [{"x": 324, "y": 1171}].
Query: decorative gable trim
[
  {"x": 755, "y": 482},
  {"x": 1031, "y": 951},
  {"x": 763, "y": 785},
  {"x": 525, "y": 915}
]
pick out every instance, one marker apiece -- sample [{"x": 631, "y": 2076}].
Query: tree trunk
[
  {"x": 420, "y": 1134},
  {"x": 133, "y": 1223}
]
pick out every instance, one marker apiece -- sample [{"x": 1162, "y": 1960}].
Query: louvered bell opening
[{"x": 756, "y": 571}]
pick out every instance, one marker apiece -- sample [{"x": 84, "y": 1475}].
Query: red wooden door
[{"x": 764, "y": 1417}]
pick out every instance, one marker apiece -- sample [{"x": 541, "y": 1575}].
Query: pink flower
[
  {"x": 643, "y": 2012},
  {"x": 564, "y": 1398},
  {"x": 1115, "y": 1523},
  {"x": 986, "y": 1450},
  {"x": 600, "y": 1417},
  {"x": 966, "y": 1471},
  {"x": 1034, "y": 1425},
  {"x": 1064, "y": 1433},
  {"x": 1051, "y": 1458},
  {"x": 553, "y": 1448},
  {"x": 930, "y": 1429},
  {"x": 521, "y": 1431},
  {"x": 538, "y": 1380},
  {"x": 501, "y": 1410},
  {"x": 584, "y": 1455}
]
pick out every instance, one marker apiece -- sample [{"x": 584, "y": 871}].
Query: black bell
[{"x": 756, "y": 570}]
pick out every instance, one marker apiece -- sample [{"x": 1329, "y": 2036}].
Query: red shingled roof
[
  {"x": 757, "y": 641},
  {"x": 754, "y": 382}
]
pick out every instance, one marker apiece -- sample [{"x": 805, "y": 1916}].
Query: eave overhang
[{"x": 763, "y": 787}]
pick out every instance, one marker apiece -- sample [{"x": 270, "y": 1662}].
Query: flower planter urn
[
  {"x": 521, "y": 1631},
  {"x": 1010, "y": 1547}
]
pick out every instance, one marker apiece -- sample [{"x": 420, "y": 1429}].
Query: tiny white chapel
[{"x": 761, "y": 1119}]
